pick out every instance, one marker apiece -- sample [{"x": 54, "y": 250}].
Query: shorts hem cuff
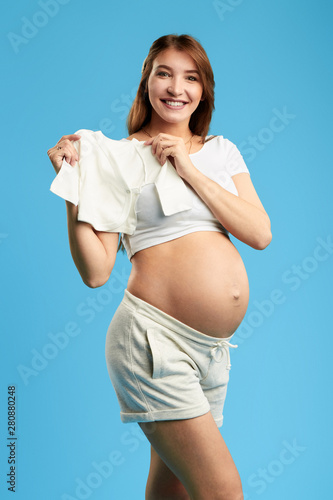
[
  {"x": 219, "y": 421},
  {"x": 154, "y": 416}
]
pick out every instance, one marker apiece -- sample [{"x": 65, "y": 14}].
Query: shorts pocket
[
  {"x": 156, "y": 353},
  {"x": 170, "y": 356}
]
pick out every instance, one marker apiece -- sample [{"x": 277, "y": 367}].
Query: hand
[
  {"x": 165, "y": 146},
  {"x": 64, "y": 149}
]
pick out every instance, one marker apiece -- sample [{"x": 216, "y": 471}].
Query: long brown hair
[{"x": 140, "y": 112}]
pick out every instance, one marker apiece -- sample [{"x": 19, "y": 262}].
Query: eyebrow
[{"x": 186, "y": 71}]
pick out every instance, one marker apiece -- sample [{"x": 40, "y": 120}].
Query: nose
[{"x": 175, "y": 87}]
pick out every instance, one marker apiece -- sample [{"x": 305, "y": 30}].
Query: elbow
[
  {"x": 95, "y": 281},
  {"x": 93, "y": 284},
  {"x": 264, "y": 236},
  {"x": 264, "y": 240}
]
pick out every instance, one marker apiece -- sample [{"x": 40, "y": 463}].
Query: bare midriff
[{"x": 199, "y": 279}]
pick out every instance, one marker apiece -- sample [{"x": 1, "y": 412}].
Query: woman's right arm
[{"x": 94, "y": 252}]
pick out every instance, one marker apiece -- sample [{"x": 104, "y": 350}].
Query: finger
[
  {"x": 67, "y": 149},
  {"x": 55, "y": 160},
  {"x": 71, "y": 137},
  {"x": 66, "y": 144},
  {"x": 70, "y": 157},
  {"x": 163, "y": 159},
  {"x": 158, "y": 143},
  {"x": 148, "y": 142},
  {"x": 58, "y": 153},
  {"x": 171, "y": 142},
  {"x": 158, "y": 150},
  {"x": 169, "y": 152},
  {"x": 165, "y": 143},
  {"x": 154, "y": 144},
  {"x": 160, "y": 153}
]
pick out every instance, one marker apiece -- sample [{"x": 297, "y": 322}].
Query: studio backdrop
[{"x": 68, "y": 65}]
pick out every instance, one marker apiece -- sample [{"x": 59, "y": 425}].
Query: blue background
[{"x": 77, "y": 65}]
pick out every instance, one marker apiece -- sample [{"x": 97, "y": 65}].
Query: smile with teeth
[{"x": 175, "y": 104}]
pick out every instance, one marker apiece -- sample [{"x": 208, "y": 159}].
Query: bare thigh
[
  {"x": 162, "y": 483},
  {"x": 195, "y": 452}
]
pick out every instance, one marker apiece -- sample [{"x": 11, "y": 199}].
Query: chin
[{"x": 171, "y": 118}]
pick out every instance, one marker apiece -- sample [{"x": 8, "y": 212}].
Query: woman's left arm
[{"x": 243, "y": 216}]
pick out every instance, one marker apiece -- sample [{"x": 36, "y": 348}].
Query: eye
[
  {"x": 162, "y": 73},
  {"x": 193, "y": 78}
]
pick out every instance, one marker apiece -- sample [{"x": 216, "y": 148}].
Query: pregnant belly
[{"x": 199, "y": 279}]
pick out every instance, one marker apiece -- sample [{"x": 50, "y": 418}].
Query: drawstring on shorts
[{"x": 218, "y": 350}]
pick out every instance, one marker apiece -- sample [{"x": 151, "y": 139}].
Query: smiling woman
[
  {"x": 174, "y": 194},
  {"x": 197, "y": 66},
  {"x": 178, "y": 89}
]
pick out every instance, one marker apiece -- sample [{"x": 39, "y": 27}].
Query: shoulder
[
  {"x": 219, "y": 144},
  {"x": 223, "y": 145},
  {"x": 219, "y": 138},
  {"x": 228, "y": 153}
]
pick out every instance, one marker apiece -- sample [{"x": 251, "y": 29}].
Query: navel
[{"x": 235, "y": 292}]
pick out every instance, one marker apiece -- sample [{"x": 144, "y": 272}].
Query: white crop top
[
  {"x": 119, "y": 186},
  {"x": 219, "y": 160}
]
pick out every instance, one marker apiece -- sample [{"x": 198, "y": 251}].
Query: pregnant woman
[{"x": 174, "y": 195}]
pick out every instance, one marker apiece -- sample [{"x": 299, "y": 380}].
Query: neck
[{"x": 155, "y": 127}]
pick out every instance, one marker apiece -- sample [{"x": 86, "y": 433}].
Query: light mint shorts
[{"x": 161, "y": 369}]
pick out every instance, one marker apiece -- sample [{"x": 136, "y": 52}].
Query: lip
[{"x": 173, "y": 100}]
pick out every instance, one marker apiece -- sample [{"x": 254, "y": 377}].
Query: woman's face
[{"x": 174, "y": 86}]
